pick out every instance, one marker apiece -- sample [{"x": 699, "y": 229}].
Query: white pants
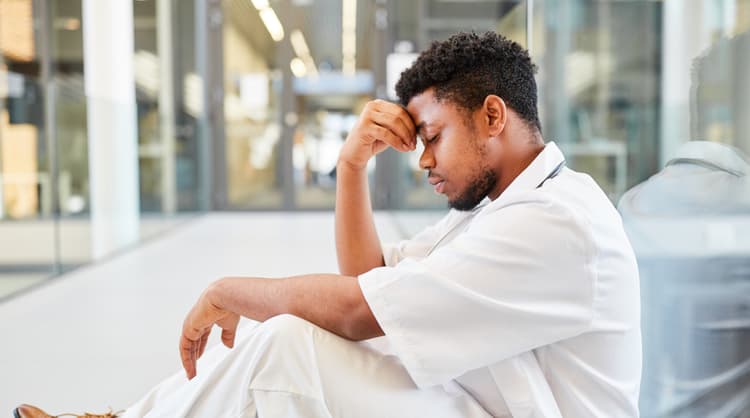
[{"x": 288, "y": 367}]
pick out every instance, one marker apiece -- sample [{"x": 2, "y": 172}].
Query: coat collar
[{"x": 547, "y": 164}]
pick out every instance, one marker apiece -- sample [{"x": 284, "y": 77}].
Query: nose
[{"x": 427, "y": 159}]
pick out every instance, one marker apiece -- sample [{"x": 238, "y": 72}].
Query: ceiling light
[
  {"x": 270, "y": 20},
  {"x": 348, "y": 36},
  {"x": 297, "y": 39},
  {"x": 298, "y": 43},
  {"x": 349, "y": 13},
  {"x": 298, "y": 67},
  {"x": 273, "y": 25},
  {"x": 260, "y": 4}
]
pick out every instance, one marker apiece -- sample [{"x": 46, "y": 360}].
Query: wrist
[
  {"x": 216, "y": 292},
  {"x": 346, "y": 164}
]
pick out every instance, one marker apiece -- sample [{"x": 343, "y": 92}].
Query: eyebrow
[{"x": 422, "y": 125}]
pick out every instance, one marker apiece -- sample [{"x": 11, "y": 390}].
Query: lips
[{"x": 437, "y": 183}]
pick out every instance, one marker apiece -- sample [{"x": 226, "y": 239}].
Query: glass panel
[
  {"x": 45, "y": 184},
  {"x": 187, "y": 84},
  {"x": 27, "y": 230},
  {"x": 288, "y": 160},
  {"x": 69, "y": 132},
  {"x": 719, "y": 81},
  {"x": 251, "y": 95},
  {"x": 599, "y": 86},
  {"x": 331, "y": 97},
  {"x": 316, "y": 149},
  {"x": 168, "y": 106},
  {"x": 272, "y": 147},
  {"x": 166, "y": 89}
]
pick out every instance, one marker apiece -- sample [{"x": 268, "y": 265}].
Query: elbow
[{"x": 360, "y": 324}]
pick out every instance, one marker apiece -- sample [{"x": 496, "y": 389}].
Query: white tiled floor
[{"x": 102, "y": 335}]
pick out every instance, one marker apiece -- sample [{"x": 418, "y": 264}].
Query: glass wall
[
  {"x": 252, "y": 87},
  {"x": 291, "y": 101},
  {"x": 29, "y": 253},
  {"x": 46, "y": 222},
  {"x": 600, "y": 86}
]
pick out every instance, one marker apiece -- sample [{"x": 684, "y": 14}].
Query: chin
[{"x": 463, "y": 205}]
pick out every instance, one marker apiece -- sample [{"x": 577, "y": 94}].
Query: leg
[{"x": 287, "y": 367}]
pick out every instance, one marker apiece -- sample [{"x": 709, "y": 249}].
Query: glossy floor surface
[{"x": 103, "y": 334}]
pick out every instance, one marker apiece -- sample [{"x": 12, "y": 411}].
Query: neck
[{"x": 516, "y": 159}]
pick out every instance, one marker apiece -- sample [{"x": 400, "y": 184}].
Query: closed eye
[{"x": 425, "y": 140}]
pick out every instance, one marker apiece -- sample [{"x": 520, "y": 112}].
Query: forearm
[
  {"x": 332, "y": 302},
  {"x": 357, "y": 244}
]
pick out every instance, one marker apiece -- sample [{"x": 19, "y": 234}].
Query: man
[{"x": 522, "y": 301}]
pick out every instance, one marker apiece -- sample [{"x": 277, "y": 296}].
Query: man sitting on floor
[{"x": 523, "y": 301}]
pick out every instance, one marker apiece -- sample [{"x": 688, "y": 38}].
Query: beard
[{"x": 479, "y": 187}]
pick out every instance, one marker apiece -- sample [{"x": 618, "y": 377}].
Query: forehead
[{"x": 426, "y": 110}]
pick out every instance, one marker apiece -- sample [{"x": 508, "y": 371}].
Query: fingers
[
  {"x": 227, "y": 337},
  {"x": 381, "y": 125},
  {"x": 195, "y": 332},
  {"x": 390, "y": 123},
  {"x": 203, "y": 343},
  {"x": 395, "y": 123},
  {"x": 187, "y": 356},
  {"x": 401, "y": 117},
  {"x": 376, "y": 133},
  {"x": 228, "y": 329}
]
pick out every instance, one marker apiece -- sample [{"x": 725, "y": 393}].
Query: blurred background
[{"x": 123, "y": 120}]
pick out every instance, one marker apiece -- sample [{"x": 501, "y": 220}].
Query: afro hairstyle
[{"x": 467, "y": 67}]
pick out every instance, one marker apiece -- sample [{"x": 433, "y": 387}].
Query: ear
[{"x": 496, "y": 114}]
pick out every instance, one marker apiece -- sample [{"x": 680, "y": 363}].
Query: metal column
[
  {"x": 288, "y": 114},
  {"x": 209, "y": 57},
  {"x": 388, "y": 191},
  {"x": 165, "y": 48},
  {"x": 555, "y": 88},
  {"x": 43, "y": 22}
]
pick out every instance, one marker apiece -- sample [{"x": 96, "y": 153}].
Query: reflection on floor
[
  {"x": 28, "y": 253},
  {"x": 103, "y": 334},
  {"x": 12, "y": 283}
]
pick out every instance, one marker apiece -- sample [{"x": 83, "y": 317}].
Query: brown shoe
[{"x": 28, "y": 411}]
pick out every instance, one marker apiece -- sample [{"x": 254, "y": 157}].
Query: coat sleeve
[
  {"x": 519, "y": 278},
  {"x": 419, "y": 245}
]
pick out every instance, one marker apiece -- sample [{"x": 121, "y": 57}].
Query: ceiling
[{"x": 319, "y": 20}]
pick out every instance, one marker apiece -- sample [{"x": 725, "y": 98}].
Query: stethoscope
[{"x": 467, "y": 219}]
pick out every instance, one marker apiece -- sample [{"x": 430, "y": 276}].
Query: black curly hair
[{"x": 467, "y": 67}]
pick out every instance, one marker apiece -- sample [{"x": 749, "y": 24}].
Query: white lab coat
[
  {"x": 530, "y": 302},
  {"x": 527, "y": 306}
]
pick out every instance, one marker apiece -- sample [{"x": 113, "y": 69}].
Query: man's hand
[
  {"x": 381, "y": 124},
  {"x": 197, "y": 327}
]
